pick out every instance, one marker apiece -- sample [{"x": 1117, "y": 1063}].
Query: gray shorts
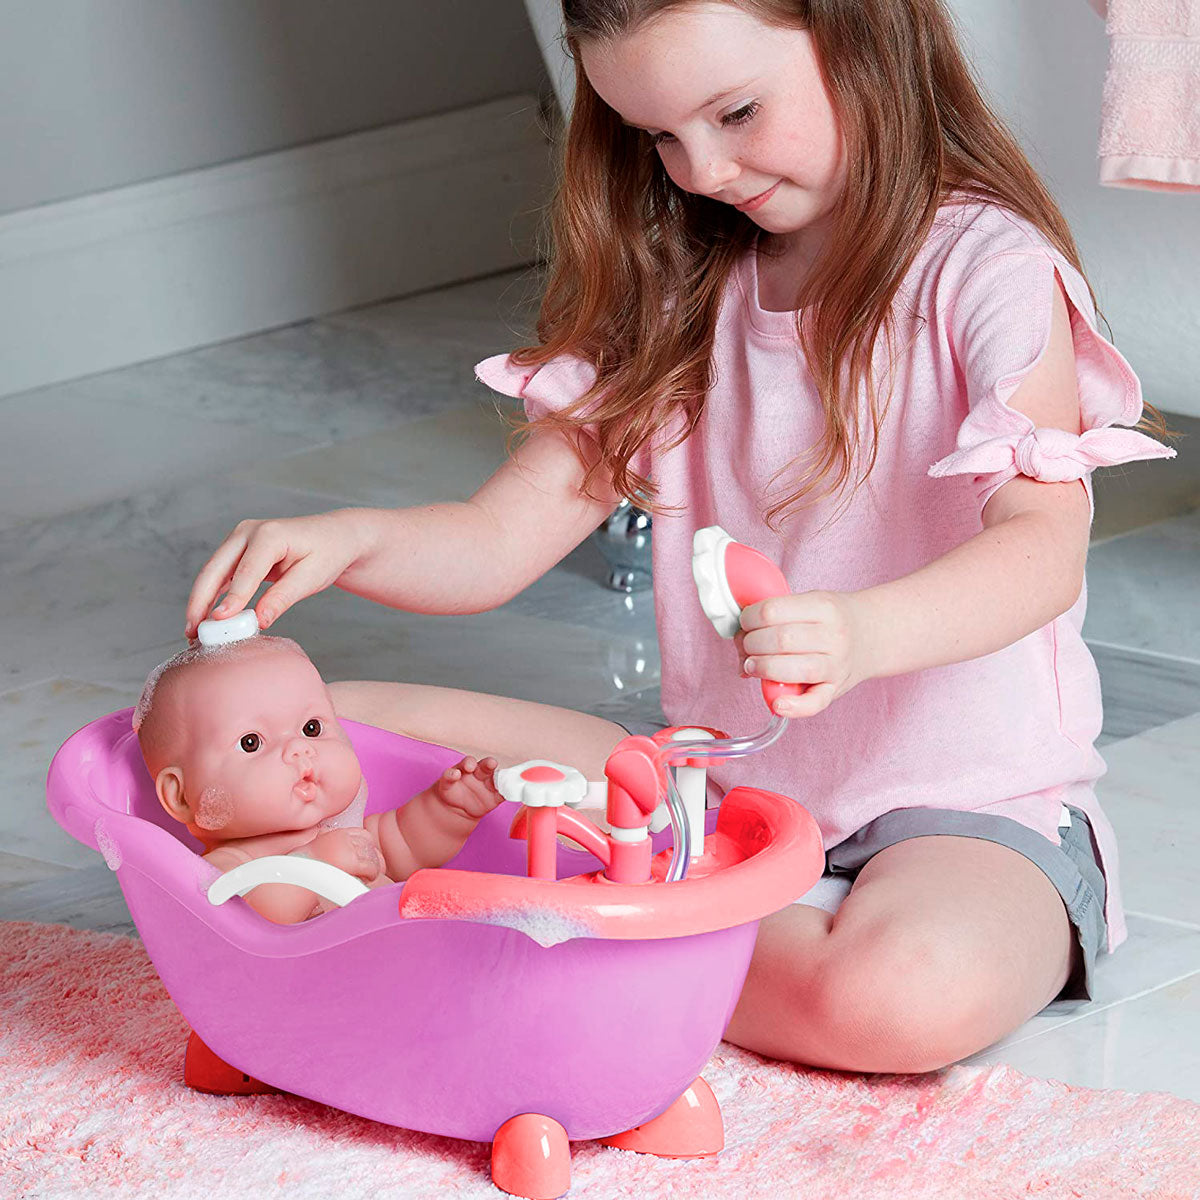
[{"x": 1073, "y": 867}]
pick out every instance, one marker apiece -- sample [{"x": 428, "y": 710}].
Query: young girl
[{"x": 806, "y": 287}]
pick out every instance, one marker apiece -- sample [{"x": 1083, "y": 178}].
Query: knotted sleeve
[{"x": 999, "y": 327}]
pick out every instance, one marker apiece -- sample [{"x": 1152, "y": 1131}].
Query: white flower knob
[{"x": 540, "y": 783}]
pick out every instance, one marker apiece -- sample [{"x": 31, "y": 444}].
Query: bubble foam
[
  {"x": 544, "y": 925},
  {"x": 215, "y": 808},
  {"x": 107, "y": 845}
]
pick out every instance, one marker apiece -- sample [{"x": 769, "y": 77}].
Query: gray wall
[{"x": 95, "y": 94}]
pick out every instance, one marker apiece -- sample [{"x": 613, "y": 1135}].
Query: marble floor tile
[
  {"x": 1143, "y": 690},
  {"x": 1147, "y": 1044},
  {"x": 1151, "y": 795},
  {"x": 318, "y": 381},
  {"x": 427, "y": 460},
  {"x": 466, "y": 323},
  {"x": 1143, "y": 589},
  {"x": 310, "y": 384},
  {"x": 85, "y": 592},
  {"x": 576, "y": 591},
  {"x": 148, "y": 518},
  {"x": 89, "y": 898},
  {"x": 62, "y": 451},
  {"x": 644, "y": 705},
  {"x": 16, "y": 870},
  {"x": 1155, "y": 954},
  {"x": 37, "y": 720}
]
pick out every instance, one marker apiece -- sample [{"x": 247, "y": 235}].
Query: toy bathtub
[{"x": 472, "y": 1001}]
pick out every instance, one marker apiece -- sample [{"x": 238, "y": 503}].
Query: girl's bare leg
[
  {"x": 505, "y": 729},
  {"x": 944, "y": 945}
]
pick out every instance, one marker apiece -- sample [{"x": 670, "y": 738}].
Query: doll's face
[{"x": 259, "y": 748}]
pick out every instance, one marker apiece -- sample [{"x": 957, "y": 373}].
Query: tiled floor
[{"x": 114, "y": 489}]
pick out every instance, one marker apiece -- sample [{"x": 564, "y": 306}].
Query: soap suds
[{"x": 214, "y": 810}]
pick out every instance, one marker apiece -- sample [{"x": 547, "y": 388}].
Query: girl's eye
[
  {"x": 250, "y": 742},
  {"x": 312, "y": 728},
  {"x": 738, "y": 117},
  {"x": 742, "y": 115}
]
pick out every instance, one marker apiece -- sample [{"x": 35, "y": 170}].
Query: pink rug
[{"x": 92, "y": 1103}]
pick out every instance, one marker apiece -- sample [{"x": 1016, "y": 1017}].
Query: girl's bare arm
[
  {"x": 460, "y": 557},
  {"x": 1024, "y": 568}
]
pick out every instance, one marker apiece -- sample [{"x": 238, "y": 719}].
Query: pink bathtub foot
[
  {"x": 205, "y": 1072},
  {"x": 532, "y": 1157},
  {"x": 690, "y": 1128}
]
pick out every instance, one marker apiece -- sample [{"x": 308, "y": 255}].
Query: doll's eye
[
  {"x": 250, "y": 742},
  {"x": 312, "y": 728}
]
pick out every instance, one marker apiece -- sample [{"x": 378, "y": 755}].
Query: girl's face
[{"x": 738, "y": 111}]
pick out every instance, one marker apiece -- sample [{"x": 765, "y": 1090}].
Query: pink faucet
[{"x": 635, "y": 788}]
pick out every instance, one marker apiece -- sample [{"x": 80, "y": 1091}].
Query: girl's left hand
[{"x": 814, "y": 638}]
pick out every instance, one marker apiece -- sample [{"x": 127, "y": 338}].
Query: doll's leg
[
  {"x": 944, "y": 945},
  {"x": 508, "y": 730}
]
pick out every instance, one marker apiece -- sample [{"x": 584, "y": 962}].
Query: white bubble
[{"x": 107, "y": 845}]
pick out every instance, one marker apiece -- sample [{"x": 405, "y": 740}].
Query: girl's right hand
[{"x": 301, "y": 555}]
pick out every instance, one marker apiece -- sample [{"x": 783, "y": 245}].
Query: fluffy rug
[{"x": 92, "y": 1103}]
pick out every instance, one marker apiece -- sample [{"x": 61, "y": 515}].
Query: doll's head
[{"x": 241, "y": 740}]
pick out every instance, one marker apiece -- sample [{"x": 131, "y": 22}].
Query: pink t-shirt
[{"x": 1010, "y": 733}]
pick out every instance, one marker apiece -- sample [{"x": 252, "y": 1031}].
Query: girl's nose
[{"x": 711, "y": 174}]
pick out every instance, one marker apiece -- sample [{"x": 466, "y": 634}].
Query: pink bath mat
[{"x": 92, "y": 1103}]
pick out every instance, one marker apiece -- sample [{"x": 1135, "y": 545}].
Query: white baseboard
[{"x": 139, "y": 272}]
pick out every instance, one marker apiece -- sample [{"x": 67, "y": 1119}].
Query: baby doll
[{"x": 244, "y": 748}]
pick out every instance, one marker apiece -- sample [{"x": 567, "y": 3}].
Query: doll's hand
[
  {"x": 814, "y": 638},
  {"x": 469, "y": 787},
  {"x": 351, "y": 850}
]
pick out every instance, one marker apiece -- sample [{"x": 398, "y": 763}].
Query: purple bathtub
[{"x": 448, "y": 1026}]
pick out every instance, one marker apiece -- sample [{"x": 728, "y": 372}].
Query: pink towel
[{"x": 1150, "y": 122}]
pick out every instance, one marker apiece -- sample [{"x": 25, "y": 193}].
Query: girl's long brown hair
[{"x": 638, "y": 266}]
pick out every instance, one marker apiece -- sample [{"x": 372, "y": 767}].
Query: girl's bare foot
[{"x": 469, "y": 787}]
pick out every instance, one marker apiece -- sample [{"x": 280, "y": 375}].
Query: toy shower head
[{"x": 730, "y": 577}]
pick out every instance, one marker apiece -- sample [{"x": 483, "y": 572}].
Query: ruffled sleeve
[
  {"x": 551, "y": 387},
  {"x": 999, "y": 327},
  {"x": 547, "y": 388}
]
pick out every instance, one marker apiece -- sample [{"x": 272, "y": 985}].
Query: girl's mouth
[
  {"x": 759, "y": 200},
  {"x": 306, "y": 789}
]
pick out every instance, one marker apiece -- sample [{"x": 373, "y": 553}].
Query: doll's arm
[{"x": 425, "y": 832}]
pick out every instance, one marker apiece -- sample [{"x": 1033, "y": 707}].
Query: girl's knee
[{"x": 898, "y": 1006}]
